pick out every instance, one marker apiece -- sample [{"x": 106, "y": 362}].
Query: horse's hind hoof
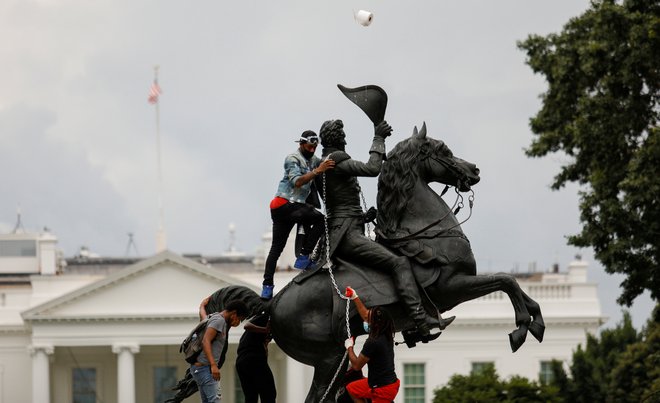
[
  {"x": 517, "y": 338},
  {"x": 537, "y": 330}
]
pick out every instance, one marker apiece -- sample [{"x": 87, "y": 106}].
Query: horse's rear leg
[
  {"x": 328, "y": 377},
  {"x": 523, "y": 318},
  {"x": 471, "y": 287},
  {"x": 537, "y": 326}
]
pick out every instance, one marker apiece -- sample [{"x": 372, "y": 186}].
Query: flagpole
[{"x": 161, "y": 238}]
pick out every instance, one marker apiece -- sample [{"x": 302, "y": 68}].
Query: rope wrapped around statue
[{"x": 308, "y": 317}]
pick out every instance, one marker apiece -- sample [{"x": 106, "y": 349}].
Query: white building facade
[{"x": 104, "y": 333}]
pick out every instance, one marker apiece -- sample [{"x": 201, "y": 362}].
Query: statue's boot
[
  {"x": 404, "y": 282},
  {"x": 406, "y": 286},
  {"x": 439, "y": 322}
]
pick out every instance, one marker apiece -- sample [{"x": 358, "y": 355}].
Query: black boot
[
  {"x": 445, "y": 322},
  {"x": 406, "y": 286},
  {"x": 439, "y": 322}
]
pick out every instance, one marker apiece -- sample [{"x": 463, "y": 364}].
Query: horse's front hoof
[
  {"x": 537, "y": 330},
  {"x": 517, "y": 338}
]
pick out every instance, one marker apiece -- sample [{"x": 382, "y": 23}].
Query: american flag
[{"x": 154, "y": 92}]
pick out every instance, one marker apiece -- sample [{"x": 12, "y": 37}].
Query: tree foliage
[
  {"x": 486, "y": 386},
  {"x": 621, "y": 365},
  {"x": 591, "y": 367},
  {"x": 601, "y": 111},
  {"x": 636, "y": 375}
]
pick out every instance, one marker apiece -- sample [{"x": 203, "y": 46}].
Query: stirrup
[{"x": 412, "y": 336}]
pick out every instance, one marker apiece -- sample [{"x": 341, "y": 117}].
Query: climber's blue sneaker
[
  {"x": 267, "y": 291},
  {"x": 303, "y": 262}
]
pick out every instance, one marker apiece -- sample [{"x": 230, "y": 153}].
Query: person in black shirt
[
  {"x": 252, "y": 361},
  {"x": 381, "y": 385}
]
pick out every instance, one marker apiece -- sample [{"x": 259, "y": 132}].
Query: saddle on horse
[{"x": 375, "y": 288}]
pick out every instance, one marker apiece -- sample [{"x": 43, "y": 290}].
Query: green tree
[
  {"x": 601, "y": 111},
  {"x": 636, "y": 376},
  {"x": 481, "y": 386},
  {"x": 592, "y": 368},
  {"x": 485, "y": 386},
  {"x": 561, "y": 381},
  {"x": 620, "y": 365},
  {"x": 521, "y": 390}
]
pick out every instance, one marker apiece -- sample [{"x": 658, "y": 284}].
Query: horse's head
[
  {"x": 436, "y": 163},
  {"x": 414, "y": 160}
]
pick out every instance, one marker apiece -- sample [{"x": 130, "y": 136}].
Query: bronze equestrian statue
[
  {"x": 345, "y": 217},
  {"x": 308, "y": 318}
]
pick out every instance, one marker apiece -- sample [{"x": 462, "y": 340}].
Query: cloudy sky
[{"x": 241, "y": 80}]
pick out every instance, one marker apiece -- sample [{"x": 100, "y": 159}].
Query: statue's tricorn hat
[{"x": 370, "y": 98}]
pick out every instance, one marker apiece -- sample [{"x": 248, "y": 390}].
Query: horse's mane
[{"x": 399, "y": 175}]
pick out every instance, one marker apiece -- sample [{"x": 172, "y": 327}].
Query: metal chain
[
  {"x": 334, "y": 284},
  {"x": 329, "y": 262},
  {"x": 364, "y": 206},
  {"x": 334, "y": 378},
  {"x": 327, "y": 231}
]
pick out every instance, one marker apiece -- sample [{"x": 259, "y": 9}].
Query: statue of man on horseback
[
  {"x": 345, "y": 218},
  {"x": 420, "y": 250}
]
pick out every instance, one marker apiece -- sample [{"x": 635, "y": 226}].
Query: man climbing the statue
[
  {"x": 295, "y": 203},
  {"x": 346, "y": 220}
]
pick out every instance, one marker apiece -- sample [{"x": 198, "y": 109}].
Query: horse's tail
[{"x": 223, "y": 296}]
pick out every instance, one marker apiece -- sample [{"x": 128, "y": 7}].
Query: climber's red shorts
[{"x": 383, "y": 394}]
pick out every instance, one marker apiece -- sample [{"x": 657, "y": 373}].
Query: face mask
[{"x": 365, "y": 325}]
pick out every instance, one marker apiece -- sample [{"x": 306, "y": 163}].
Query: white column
[
  {"x": 40, "y": 372},
  {"x": 125, "y": 371},
  {"x": 296, "y": 385}
]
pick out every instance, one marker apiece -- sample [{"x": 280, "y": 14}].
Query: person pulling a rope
[{"x": 382, "y": 384}]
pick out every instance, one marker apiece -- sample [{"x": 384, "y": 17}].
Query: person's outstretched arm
[
  {"x": 376, "y": 155},
  {"x": 359, "y": 305}
]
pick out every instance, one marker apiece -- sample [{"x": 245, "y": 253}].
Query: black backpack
[{"x": 191, "y": 346}]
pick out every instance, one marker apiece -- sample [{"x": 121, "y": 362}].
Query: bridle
[{"x": 461, "y": 183}]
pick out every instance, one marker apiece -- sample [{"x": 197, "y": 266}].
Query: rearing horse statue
[{"x": 308, "y": 318}]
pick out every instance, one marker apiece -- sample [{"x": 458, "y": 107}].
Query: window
[
  {"x": 84, "y": 385},
  {"x": 14, "y": 248},
  {"x": 239, "y": 397},
  {"x": 479, "y": 366},
  {"x": 413, "y": 383},
  {"x": 546, "y": 375},
  {"x": 164, "y": 381}
]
